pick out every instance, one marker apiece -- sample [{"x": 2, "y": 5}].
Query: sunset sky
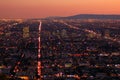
[{"x": 44, "y": 8}]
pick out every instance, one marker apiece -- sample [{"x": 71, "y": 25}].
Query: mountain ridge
[{"x": 89, "y": 16}]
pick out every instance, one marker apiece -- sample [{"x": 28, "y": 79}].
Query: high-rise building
[
  {"x": 107, "y": 33},
  {"x": 64, "y": 33},
  {"x": 25, "y": 32}
]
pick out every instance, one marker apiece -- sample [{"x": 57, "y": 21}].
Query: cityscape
[
  {"x": 59, "y": 40},
  {"x": 60, "y": 49}
]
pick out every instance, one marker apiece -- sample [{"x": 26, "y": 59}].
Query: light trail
[
  {"x": 70, "y": 26},
  {"x": 39, "y": 54},
  {"x": 105, "y": 37}
]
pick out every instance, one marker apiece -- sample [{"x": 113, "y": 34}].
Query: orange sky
[{"x": 44, "y": 8}]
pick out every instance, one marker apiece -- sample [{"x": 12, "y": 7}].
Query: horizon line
[{"x": 61, "y": 16}]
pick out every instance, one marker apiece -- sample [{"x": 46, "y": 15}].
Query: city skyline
[{"x": 45, "y": 8}]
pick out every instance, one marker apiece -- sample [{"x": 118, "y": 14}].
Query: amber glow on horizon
[{"x": 44, "y": 8}]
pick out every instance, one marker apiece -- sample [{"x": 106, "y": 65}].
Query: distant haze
[{"x": 45, "y": 8}]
